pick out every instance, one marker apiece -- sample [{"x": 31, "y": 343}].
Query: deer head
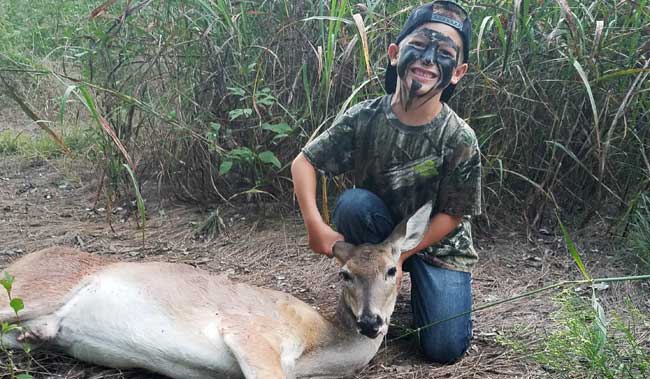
[{"x": 369, "y": 274}]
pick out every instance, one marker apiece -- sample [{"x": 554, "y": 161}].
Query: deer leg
[
  {"x": 39, "y": 330},
  {"x": 257, "y": 357},
  {"x": 35, "y": 332}
]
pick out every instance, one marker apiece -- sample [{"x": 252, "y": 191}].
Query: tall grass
[
  {"x": 216, "y": 96},
  {"x": 557, "y": 95},
  {"x": 639, "y": 235}
]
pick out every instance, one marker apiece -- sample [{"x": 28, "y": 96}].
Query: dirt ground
[{"x": 47, "y": 203}]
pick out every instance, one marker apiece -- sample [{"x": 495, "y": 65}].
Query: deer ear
[
  {"x": 342, "y": 251},
  {"x": 409, "y": 233}
]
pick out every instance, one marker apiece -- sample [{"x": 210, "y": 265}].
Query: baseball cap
[{"x": 422, "y": 15}]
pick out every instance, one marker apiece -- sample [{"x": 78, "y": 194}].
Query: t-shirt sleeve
[
  {"x": 332, "y": 152},
  {"x": 460, "y": 189}
]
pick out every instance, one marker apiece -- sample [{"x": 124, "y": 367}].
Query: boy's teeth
[{"x": 423, "y": 73}]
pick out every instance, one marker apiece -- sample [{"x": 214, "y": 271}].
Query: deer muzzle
[{"x": 370, "y": 325}]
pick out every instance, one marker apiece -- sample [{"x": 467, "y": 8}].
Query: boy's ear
[
  {"x": 459, "y": 72},
  {"x": 393, "y": 51}
]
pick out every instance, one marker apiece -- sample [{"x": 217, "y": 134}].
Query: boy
[{"x": 405, "y": 149}]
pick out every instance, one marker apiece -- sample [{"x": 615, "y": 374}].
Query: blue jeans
[{"x": 436, "y": 293}]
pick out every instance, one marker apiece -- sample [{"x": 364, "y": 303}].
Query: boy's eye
[
  {"x": 417, "y": 44},
  {"x": 447, "y": 53}
]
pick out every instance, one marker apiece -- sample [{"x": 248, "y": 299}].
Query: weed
[
  {"x": 6, "y": 328},
  {"x": 211, "y": 227},
  {"x": 577, "y": 349}
]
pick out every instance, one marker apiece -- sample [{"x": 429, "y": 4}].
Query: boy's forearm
[
  {"x": 304, "y": 185},
  {"x": 440, "y": 226}
]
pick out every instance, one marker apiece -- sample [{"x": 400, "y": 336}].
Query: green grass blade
[
  {"x": 104, "y": 125},
  {"x": 330, "y": 18},
  {"x": 487, "y": 22},
  {"x": 590, "y": 93},
  {"x": 64, "y": 100},
  {"x": 572, "y": 249},
  {"x": 600, "y": 324},
  {"x": 139, "y": 200},
  {"x": 619, "y": 73}
]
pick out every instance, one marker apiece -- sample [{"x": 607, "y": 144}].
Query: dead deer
[{"x": 184, "y": 322}]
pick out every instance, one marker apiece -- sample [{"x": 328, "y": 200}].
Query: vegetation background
[{"x": 211, "y": 99}]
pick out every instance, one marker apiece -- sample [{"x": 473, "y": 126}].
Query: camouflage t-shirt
[{"x": 406, "y": 166}]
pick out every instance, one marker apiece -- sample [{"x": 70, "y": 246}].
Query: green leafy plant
[
  {"x": 12, "y": 327},
  {"x": 240, "y": 113},
  {"x": 245, "y": 157},
  {"x": 280, "y": 131}
]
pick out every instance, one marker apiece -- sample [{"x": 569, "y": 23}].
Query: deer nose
[{"x": 369, "y": 325}]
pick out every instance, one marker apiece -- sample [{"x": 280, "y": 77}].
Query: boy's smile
[
  {"x": 423, "y": 75},
  {"x": 427, "y": 62}
]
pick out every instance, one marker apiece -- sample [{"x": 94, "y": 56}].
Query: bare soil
[{"x": 47, "y": 203}]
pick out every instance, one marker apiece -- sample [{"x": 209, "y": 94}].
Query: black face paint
[{"x": 431, "y": 48}]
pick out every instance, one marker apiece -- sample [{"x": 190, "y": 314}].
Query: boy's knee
[
  {"x": 357, "y": 205},
  {"x": 362, "y": 217},
  {"x": 445, "y": 352},
  {"x": 356, "y": 201},
  {"x": 441, "y": 348}
]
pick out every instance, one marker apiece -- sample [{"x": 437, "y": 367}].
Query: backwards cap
[{"x": 422, "y": 15}]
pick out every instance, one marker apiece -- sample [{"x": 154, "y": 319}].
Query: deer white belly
[{"x": 116, "y": 323}]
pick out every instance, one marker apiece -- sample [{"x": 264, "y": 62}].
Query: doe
[{"x": 184, "y": 322}]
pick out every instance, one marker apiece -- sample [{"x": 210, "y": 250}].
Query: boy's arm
[
  {"x": 440, "y": 226},
  {"x": 321, "y": 236}
]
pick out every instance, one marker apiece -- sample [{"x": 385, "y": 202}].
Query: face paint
[{"x": 430, "y": 48}]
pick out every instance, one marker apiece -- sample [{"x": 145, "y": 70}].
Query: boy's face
[{"x": 427, "y": 61}]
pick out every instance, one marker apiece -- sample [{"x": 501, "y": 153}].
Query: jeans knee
[
  {"x": 355, "y": 203},
  {"x": 444, "y": 352},
  {"x": 362, "y": 217}
]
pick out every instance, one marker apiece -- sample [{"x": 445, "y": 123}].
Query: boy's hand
[
  {"x": 322, "y": 238},
  {"x": 399, "y": 273}
]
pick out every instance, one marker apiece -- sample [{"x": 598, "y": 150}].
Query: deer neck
[{"x": 340, "y": 353}]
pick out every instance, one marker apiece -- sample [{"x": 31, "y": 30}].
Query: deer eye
[
  {"x": 391, "y": 272},
  {"x": 346, "y": 276}
]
